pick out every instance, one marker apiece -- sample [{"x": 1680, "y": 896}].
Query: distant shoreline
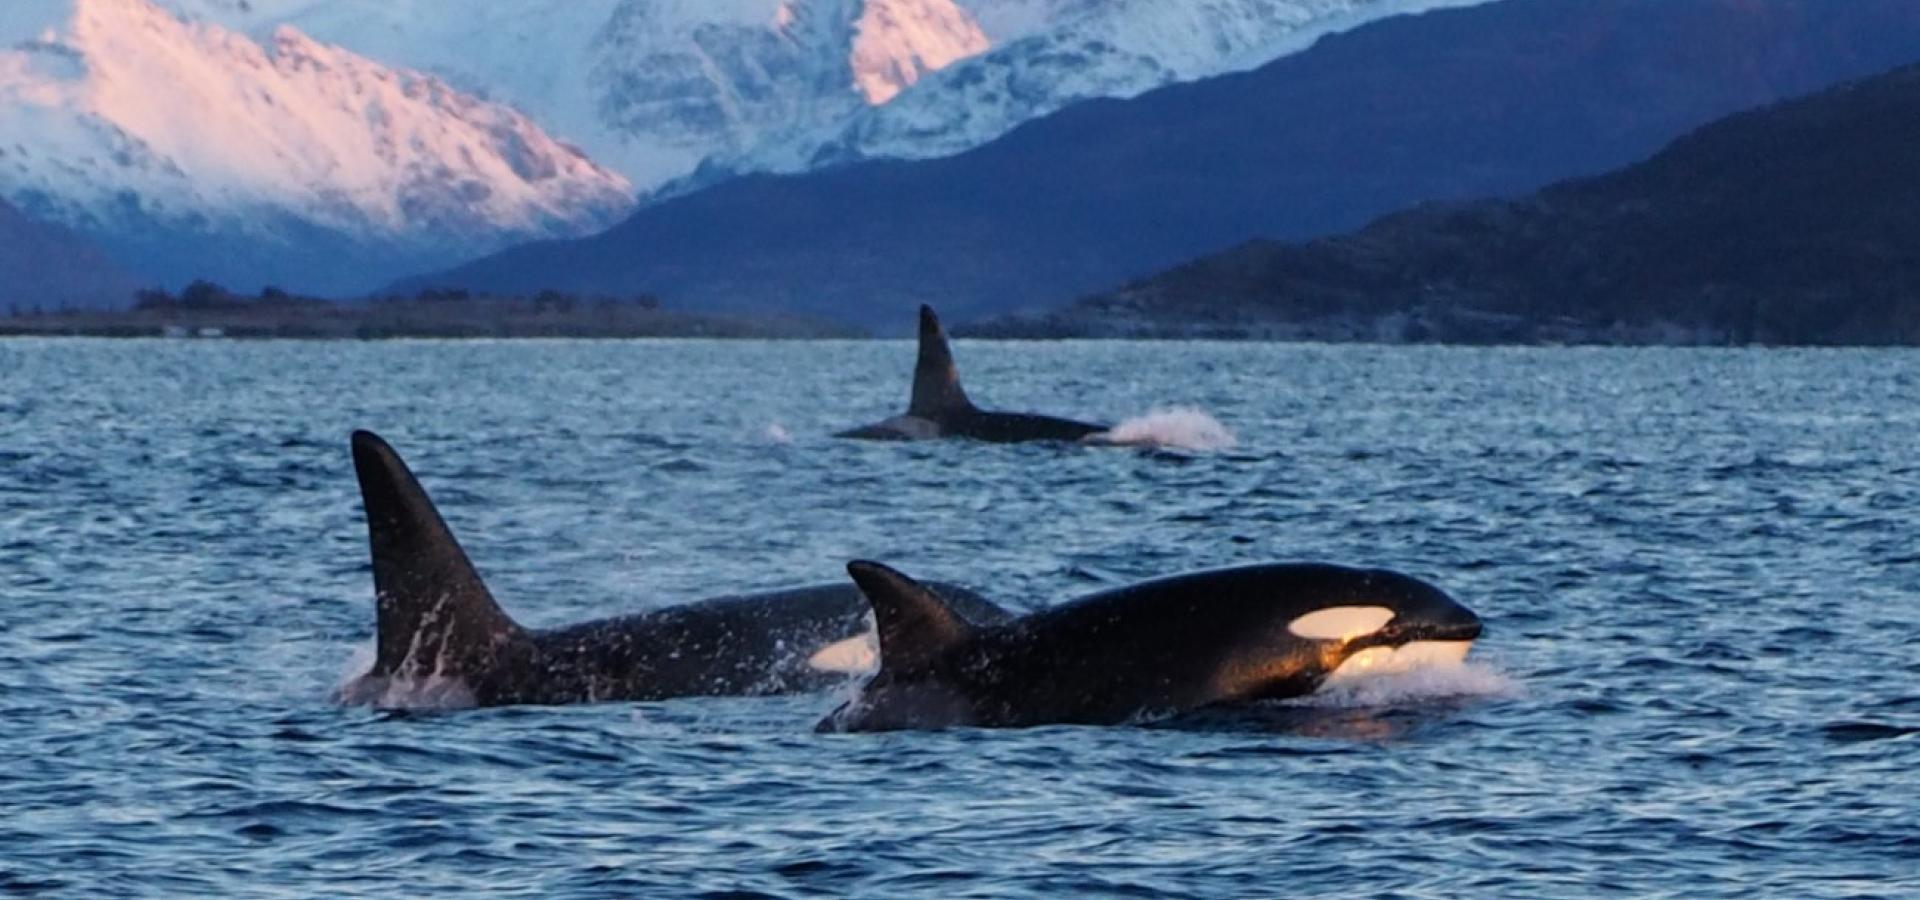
[
  {"x": 745, "y": 330},
  {"x": 523, "y": 319},
  {"x": 475, "y": 319}
]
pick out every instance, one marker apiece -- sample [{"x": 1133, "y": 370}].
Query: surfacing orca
[
  {"x": 1148, "y": 650},
  {"x": 443, "y": 641},
  {"x": 940, "y": 408}
]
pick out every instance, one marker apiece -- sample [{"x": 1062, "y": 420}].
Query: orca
[
  {"x": 1145, "y": 651},
  {"x": 442, "y": 640},
  {"x": 939, "y": 407}
]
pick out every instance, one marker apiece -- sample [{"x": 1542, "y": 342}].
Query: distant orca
[
  {"x": 940, "y": 408},
  {"x": 1156, "y": 648},
  {"x": 442, "y": 637}
]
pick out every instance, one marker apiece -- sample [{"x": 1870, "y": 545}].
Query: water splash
[
  {"x": 358, "y": 686},
  {"x": 1176, "y": 427},
  {"x": 429, "y": 692},
  {"x": 1464, "y": 679}
]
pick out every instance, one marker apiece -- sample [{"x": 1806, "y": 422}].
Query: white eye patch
[{"x": 1341, "y": 623}]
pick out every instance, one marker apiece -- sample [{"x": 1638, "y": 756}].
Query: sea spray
[
  {"x": 358, "y": 686},
  {"x": 1175, "y": 427},
  {"x": 1466, "y": 679}
]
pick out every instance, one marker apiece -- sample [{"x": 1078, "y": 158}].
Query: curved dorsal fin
[
  {"x": 915, "y": 624},
  {"x": 936, "y": 381},
  {"x": 433, "y": 610}
]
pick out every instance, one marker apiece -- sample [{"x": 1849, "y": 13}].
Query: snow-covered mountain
[
  {"x": 648, "y": 87},
  {"x": 329, "y": 145},
  {"x": 1073, "y": 50},
  {"x": 1490, "y": 100},
  {"x": 191, "y": 150},
  {"x": 659, "y": 88}
]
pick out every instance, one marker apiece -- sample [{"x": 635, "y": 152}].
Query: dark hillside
[{"x": 1795, "y": 224}]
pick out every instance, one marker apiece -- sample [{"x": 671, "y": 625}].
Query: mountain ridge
[
  {"x": 1460, "y": 103},
  {"x": 680, "y": 94},
  {"x": 1796, "y": 223}
]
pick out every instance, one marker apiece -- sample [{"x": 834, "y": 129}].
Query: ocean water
[{"x": 1699, "y": 572}]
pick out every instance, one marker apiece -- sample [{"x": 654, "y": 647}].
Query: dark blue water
[{"x": 1699, "y": 571}]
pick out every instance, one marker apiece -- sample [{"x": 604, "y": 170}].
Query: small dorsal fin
[
  {"x": 936, "y": 382},
  {"x": 434, "y": 614},
  {"x": 915, "y": 624}
]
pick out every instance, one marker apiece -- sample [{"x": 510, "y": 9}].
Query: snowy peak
[
  {"x": 658, "y": 89},
  {"x": 1085, "y": 49},
  {"x": 121, "y": 116},
  {"x": 897, "y": 41},
  {"x": 874, "y": 47},
  {"x": 712, "y": 78},
  {"x": 649, "y": 87}
]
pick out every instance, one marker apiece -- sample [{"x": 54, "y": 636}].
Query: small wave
[
  {"x": 1466, "y": 679},
  {"x": 1177, "y": 427}
]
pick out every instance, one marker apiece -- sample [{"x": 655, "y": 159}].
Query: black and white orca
[
  {"x": 939, "y": 407},
  {"x": 443, "y": 641},
  {"x": 1149, "y": 650}
]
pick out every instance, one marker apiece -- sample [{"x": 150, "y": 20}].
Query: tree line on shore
[{"x": 208, "y": 296}]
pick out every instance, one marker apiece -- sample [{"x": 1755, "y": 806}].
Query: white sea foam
[
  {"x": 778, "y": 433},
  {"x": 357, "y": 686},
  {"x": 1178, "y": 427},
  {"x": 431, "y": 692},
  {"x": 1465, "y": 679}
]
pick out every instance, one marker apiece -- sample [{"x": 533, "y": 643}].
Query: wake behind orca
[
  {"x": 1164, "y": 647},
  {"x": 442, "y": 640},
  {"x": 940, "y": 408}
]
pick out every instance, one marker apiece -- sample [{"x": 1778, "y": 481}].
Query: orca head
[{"x": 1378, "y": 622}]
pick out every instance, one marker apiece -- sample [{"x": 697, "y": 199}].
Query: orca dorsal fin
[
  {"x": 936, "y": 381},
  {"x": 433, "y": 611},
  {"x": 915, "y": 624}
]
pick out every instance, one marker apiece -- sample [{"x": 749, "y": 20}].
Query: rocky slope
[
  {"x": 1794, "y": 224},
  {"x": 1489, "y": 100}
]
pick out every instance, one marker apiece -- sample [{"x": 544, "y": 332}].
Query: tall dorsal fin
[
  {"x": 434, "y": 613},
  {"x": 936, "y": 382},
  {"x": 915, "y": 624}
]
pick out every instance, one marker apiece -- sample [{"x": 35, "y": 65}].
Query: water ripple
[{"x": 1696, "y": 569}]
